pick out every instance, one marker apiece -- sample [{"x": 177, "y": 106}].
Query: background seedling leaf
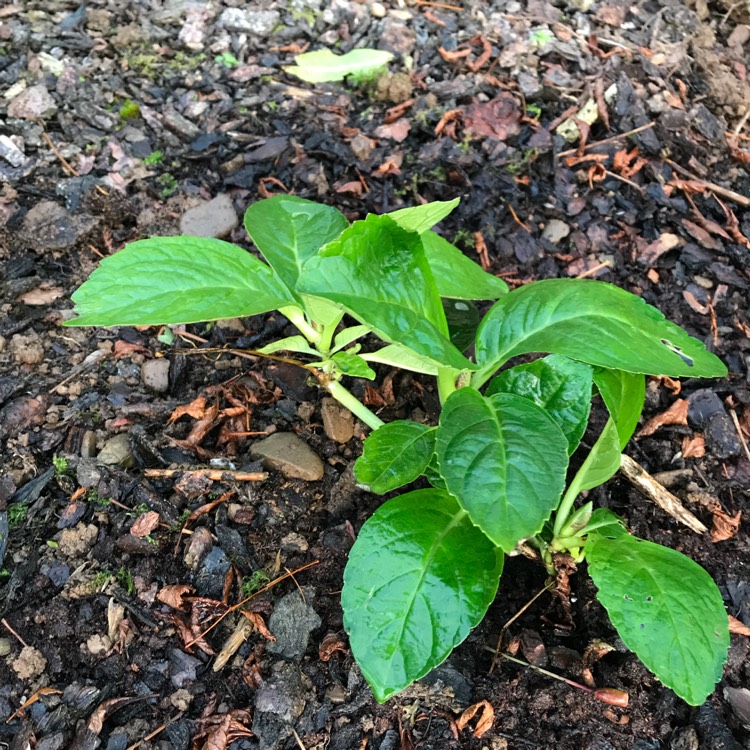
[
  {"x": 561, "y": 386},
  {"x": 456, "y": 275},
  {"x": 349, "y": 335},
  {"x": 288, "y": 230},
  {"x": 624, "y": 394},
  {"x": 421, "y": 218},
  {"x": 322, "y": 65},
  {"x": 399, "y": 356},
  {"x": 353, "y": 365},
  {"x": 379, "y": 273},
  {"x": 394, "y": 455},
  {"x": 289, "y": 344},
  {"x": 504, "y": 458},
  {"x": 177, "y": 280},
  {"x": 595, "y": 323},
  {"x": 606, "y": 523},
  {"x": 666, "y": 609},
  {"x": 419, "y": 577}
]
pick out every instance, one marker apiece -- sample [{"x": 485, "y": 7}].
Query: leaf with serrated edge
[
  {"x": 288, "y": 230},
  {"x": 394, "y": 455},
  {"x": 666, "y": 608},
  {"x": 559, "y": 385},
  {"x": 505, "y": 460},
  {"x": 379, "y": 273},
  {"x": 421, "y": 218},
  {"x": 624, "y": 394},
  {"x": 456, "y": 275},
  {"x": 419, "y": 577},
  {"x": 177, "y": 280},
  {"x": 322, "y": 66},
  {"x": 593, "y": 322}
]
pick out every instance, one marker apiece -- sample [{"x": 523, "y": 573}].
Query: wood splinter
[
  {"x": 638, "y": 476},
  {"x": 216, "y": 475}
]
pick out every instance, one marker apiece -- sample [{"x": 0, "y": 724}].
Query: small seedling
[
  {"x": 323, "y": 66},
  {"x": 427, "y": 564},
  {"x": 154, "y": 158},
  {"x": 60, "y": 464}
]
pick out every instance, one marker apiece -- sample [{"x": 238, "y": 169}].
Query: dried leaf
[
  {"x": 251, "y": 672},
  {"x": 195, "y": 409},
  {"x": 724, "y": 526},
  {"x": 612, "y": 15},
  {"x": 42, "y": 295},
  {"x": 693, "y": 447},
  {"x": 653, "y": 251},
  {"x": 172, "y": 595},
  {"x": 485, "y": 721},
  {"x": 396, "y": 131},
  {"x": 259, "y": 624},
  {"x": 145, "y": 523},
  {"x": 331, "y": 644},
  {"x": 498, "y": 118},
  {"x": 612, "y": 696},
  {"x": 126, "y": 348},
  {"x": 351, "y": 188},
  {"x": 738, "y": 627},
  {"x": 675, "y": 415},
  {"x": 690, "y": 298}
]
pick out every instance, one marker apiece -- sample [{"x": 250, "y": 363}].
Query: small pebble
[{"x": 377, "y": 10}]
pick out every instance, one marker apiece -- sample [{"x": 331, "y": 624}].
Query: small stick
[
  {"x": 712, "y": 186},
  {"x": 299, "y": 741},
  {"x": 638, "y": 476},
  {"x": 632, "y": 184},
  {"x": 611, "y": 139},
  {"x": 153, "y": 734},
  {"x": 592, "y": 271},
  {"x": 23, "y": 642},
  {"x": 217, "y": 475},
  {"x": 438, "y": 5},
  {"x": 739, "y": 432}
]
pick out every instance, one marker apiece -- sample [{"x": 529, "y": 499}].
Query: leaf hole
[
  {"x": 627, "y": 598},
  {"x": 678, "y": 351},
  {"x": 649, "y": 598}
]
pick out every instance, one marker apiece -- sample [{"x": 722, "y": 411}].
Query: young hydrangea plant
[{"x": 427, "y": 564}]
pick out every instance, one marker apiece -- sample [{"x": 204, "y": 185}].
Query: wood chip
[
  {"x": 738, "y": 627},
  {"x": 145, "y": 524}
]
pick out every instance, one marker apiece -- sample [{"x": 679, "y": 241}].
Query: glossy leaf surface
[
  {"x": 666, "y": 608},
  {"x": 595, "y": 323},
  {"x": 421, "y": 218},
  {"x": 288, "y": 230},
  {"x": 456, "y": 275},
  {"x": 463, "y": 320},
  {"x": 399, "y": 356},
  {"x": 624, "y": 394},
  {"x": 394, "y": 455},
  {"x": 419, "y": 577},
  {"x": 378, "y": 272},
  {"x": 560, "y": 386},
  {"x": 504, "y": 458},
  {"x": 177, "y": 280},
  {"x": 603, "y": 460}
]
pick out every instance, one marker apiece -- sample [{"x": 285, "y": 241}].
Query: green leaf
[
  {"x": 348, "y": 335},
  {"x": 420, "y": 576},
  {"x": 593, "y": 322},
  {"x": 603, "y": 460},
  {"x": 399, "y": 356},
  {"x": 606, "y": 523},
  {"x": 289, "y": 344},
  {"x": 463, "y": 320},
  {"x": 378, "y": 272},
  {"x": 666, "y": 609},
  {"x": 394, "y": 455},
  {"x": 177, "y": 280},
  {"x": 288, "y": 230},
  {"x": 624, "y": 394},
  {"x": 561, "y": 386},
  {"x": 504, "y": 458},
  {"x": 456, "y": 275},
  {"x": 421, "y": 218},
  {"x": 322, "y": 65},
  {"x": 353, "y": 365}
]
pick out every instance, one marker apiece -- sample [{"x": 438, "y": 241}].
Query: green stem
[
  {"x": 297, "y": 319},
  {"x": 446, "y": 381},
  {"x": 355, "y": 406},
  {"x": 566, "y": 504},
  {"x": 326, "y": 335},
  {"x": 480, "y": 377}
]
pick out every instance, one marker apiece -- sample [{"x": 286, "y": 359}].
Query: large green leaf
[
  {"x": 177, "y": 280},
  {"x": 561, "y": 386},
  {"x": 456, "y": 275},
  {"x": 463, "y": 320},
  {"x": 394, "y": 455},
  {"x": 420, "y": 576},
  {"x": 288, "y": 230},
  {"x": 624, "y": 394},
  {"x": 666, "y": 609},
  {"x": 593, "y": 322},
  {"x": 602, "y": 462},
  {"x": 421, "y": 218},
  {"x": 504, "y": 458},
  {"x": 379, "y": 273}
]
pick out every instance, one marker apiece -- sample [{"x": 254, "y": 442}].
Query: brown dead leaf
[
  {"x": 448, "y": 123},
  {"x": 690, "y": 298},
  {"x": 653, "y": 251},
  {"x": 693, "y": 447},
  {"x": 612, "y": 696},
  {"x": 395, "y": 131},
  {"x": 485, "y": 721},
  {"x": 251, "y": 672},
  {"x": 195, "y": 409},
  {"x": 391, "y": 166},
  {"x": 498, "y": 118},
  {"x": 724, "y": 526},
  {"x": 172, "y": 595},
  {"x": 351, "y": 188},
  {"x": 42, "y": 295},
  {"x": 612, "y": 15},
  {"x": 672, "y": 384},
  {"x": 219, "y": 731},
  {"x": 738, "y": 627},
  {"x": 453, "y": 55},
  {"x": 259, "y": 624},
  {"x": 145, "y": 523},
  {"x": 126, "y": 348},
  {"x": 676, "y": 414},
  {"x": 330, "y": 645}
]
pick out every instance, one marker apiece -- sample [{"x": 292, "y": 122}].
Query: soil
[{"x": 116, "y": 120}]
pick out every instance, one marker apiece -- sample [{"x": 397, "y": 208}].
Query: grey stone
[
  {"x": 155, "y": 374},
  {"x": 88, "y": 444},
  {"x": 209, "y": 580},
  {"x": 32, "y": 103},
  {"x": 739, "y": 700},
  {"x": 279, "y": 702},
  {"x": 257, "y": 22},
  {"x": 187, "y": 130},
  {"x": 182, "y": 668},
  {"x": 703, "y": 404},
  {"x": 338, "y": 422},
  {"x": 88, "y": 473},
  {"x": 116, "y": 452},
  {"x": 291, "y": 622},
  {"x": 48, "y": 227},
  {"x": 289, "y": 455},
  {"x": 555, "y": 231},
  {"x": 217, "y": 218},
  {"x": 10, "y": 152}
]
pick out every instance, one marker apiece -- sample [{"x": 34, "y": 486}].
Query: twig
[
  {"x": 445, "y": 6},
  {"x": 741, "y": 123},
  {"x": 611, "y": 139},
  {"x": 632, "y": 184},
  {"x": 712, "y": 186},
  {"x": 299, "y": 741},
  {"x": 216, "y": 475},
  {"x": 22, "y": 641},
  {"x": 597, "y": 267},
  {"x": 739, "y": 432},
  {"x": 153, "y": 734},
  {"x": 638, "y": 476},
  {"x": 92, "y": 359}
]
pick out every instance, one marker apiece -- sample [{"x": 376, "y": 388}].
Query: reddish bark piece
[
  {"x": 145, "y": 524},
  {"x": 612, "y": 696},
  {"x": 738, "y": 627},
  {"x": 126, "y": 348}
]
